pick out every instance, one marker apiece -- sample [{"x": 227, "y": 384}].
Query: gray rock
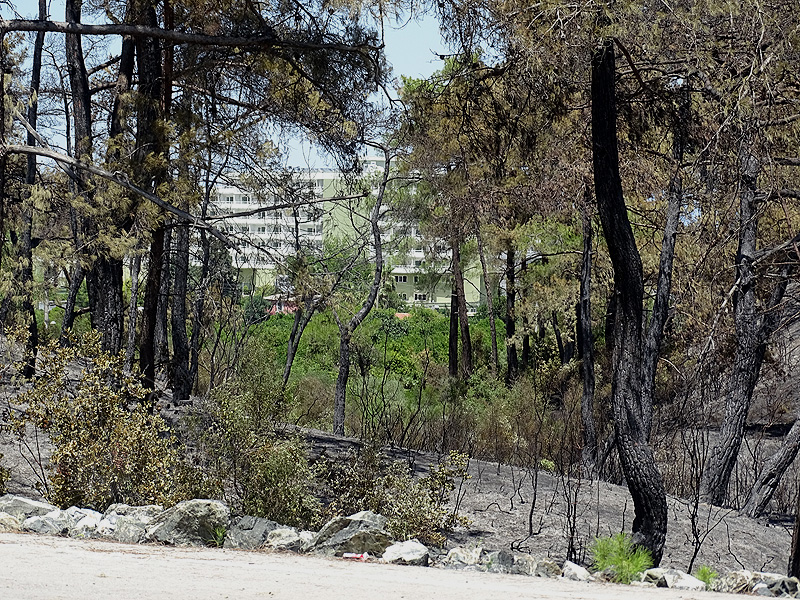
[
  {"x": 358, "y": 533},
  {"x": 56, "y": 522},
  {"x": 678, "y": 580},
  {"x": 410, "y": 552},
  {"x": 500, "y": 561},
  {"x": 460, "y": 556},
  {"x": 575, "y": 572},
  {"x": 524, "y": 564},
  {"x": 762, "y": 589},
  {"x": 735, "y": 582},
  {"x": 21, "y": 508},
  {"x": 9, "y": 523},
  {"x": 127, "y": 524},
  {"x": 787, "y": 586},
  {"x": 547, "y": 567},
  {"x": 285, "y": 538},
  {"x": 191, "y": 522},
  {"x": 83, "y": 521},
  {"x": 249, "y": 533}
]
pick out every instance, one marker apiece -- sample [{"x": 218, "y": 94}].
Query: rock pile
[{"x": 360, "y": 536}]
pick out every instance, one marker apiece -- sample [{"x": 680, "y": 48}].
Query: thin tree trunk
[
  {"x": 638, "y": 462},
  {"x": 302, "y": 317},
  {"x": 586, "y": 347},
  {"x": 753, "y": 330},
  {"x": 512, "y": 363},
  {"x": 133, "y": 311},
  {"x": 147, "y": 349},
  {"x": 69, "y": 308},
  {"x": 161, "y": 335},
  {"x": 463, "y": 320},
  {"x": 489, "y": 301},
  {"x": 452, "y": 337},
  {"x": 182, "y": 382},
  {"x": 772, "y": 472},
  {"x": 25, "y": 241},
  {"x": 346, "y": 330},
  {"x": 655, "y": 331}
]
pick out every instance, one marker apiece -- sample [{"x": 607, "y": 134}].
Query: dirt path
[{"x": 50, "y": 568}]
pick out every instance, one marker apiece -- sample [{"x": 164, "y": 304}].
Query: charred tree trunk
[
  {"x": 182, "y": 381},
  {"x": 150, "y": 143},
  {"x": 512, "y": 363},
  {"x": 489, "y": 301},
  {"x": 771, "y": 473},
  {"x": 638, "y": 462},
  {"x": 161, "y": 334},
  {"x": 133, "y": 311},
  {"x": 452, "y": 337},
  {"x": 586, "y": 347},
  {"x": 753, "y": 330},
  {"x": 25, "y": 239},
  {"x": 346, "y": 330},
  {"x": 147, "y": 354},
  {"x": 463, "y": 320}
]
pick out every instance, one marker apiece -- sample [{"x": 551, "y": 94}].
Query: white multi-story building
[{"x": 271, "y": 226}]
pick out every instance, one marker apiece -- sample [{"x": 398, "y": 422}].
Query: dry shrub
[
  {"x": 108, "y": 447},
  {"x": 415, "y": 508}
]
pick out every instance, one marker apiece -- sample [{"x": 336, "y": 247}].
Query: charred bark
[
  {"x": 636, "y": 457},
  {"x": 466, "y": 365},
  {"x": 754, "y": 328},
  {"x": 512, "y": 362},
  {"x": 586, "y": 348}
]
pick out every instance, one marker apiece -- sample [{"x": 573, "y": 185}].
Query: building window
[
  {"x": 400, "y": 278},
  {"x": 404, "y": 296},
  {"x": 229, "y": 199},
  {"x": 421, "y": 297},
  {"x": 416, "y": 279},
  {"x": 262, "y": 229},
  {"x": 245, "y": 199},
  {"x": 417, "y": 263}
]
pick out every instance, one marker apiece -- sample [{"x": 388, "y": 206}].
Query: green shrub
[
  {"x": 618, "y": 554},
  {"x": 415, "y": 508},
  {"x": 108, "y": 447},
  {"x": 5, "y": 475},
  {"x": 255, "y": 472},
  {"x": 707, "y": 575}
]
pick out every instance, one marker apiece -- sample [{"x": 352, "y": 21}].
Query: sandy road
[{"x": 49, "y": 568}]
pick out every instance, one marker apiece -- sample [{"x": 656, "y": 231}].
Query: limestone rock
[
  {"x": 735, "y": 582},
  {"x": 21, "y": 508},
  {"x": 411, "y": 552},
  {"x": 127, "y": 524},
  {"x": 285, "y": 538},
  {"x": 575, "y": 572},
  {"x": 56, "y": 522},
  {"x": 460, "y": 556},
  {"x": 191, "y": 522},
  {"x": 788, "y": 586},
  {"x": 524, "y": 564},
  {"x": 83, "y": 521},
  {"x": 500, "y": 561},
  {"x": 9, "y": 523},
  {"x": 547, "y": 567},
  {"x": 249, "y": 533},
  {"x": 358, "y": 533},
  {"x": 762, "y": 589},
  {"x": 678, "y": 580}
]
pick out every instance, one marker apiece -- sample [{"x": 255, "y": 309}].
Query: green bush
[
  {"x": 707, "y": 575},
  {"x": 618, "y": 554},
  {"x": 108, "y": 447},
  {"x": 5, "y": 475},
  {"x": 254, "y": 471},
  {"x": 415, "y": 508}
]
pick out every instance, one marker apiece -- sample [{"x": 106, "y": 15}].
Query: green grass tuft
[{"x": 617, "y": 552}]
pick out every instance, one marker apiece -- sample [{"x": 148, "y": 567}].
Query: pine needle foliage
[{"x": 618, "y": 554}]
